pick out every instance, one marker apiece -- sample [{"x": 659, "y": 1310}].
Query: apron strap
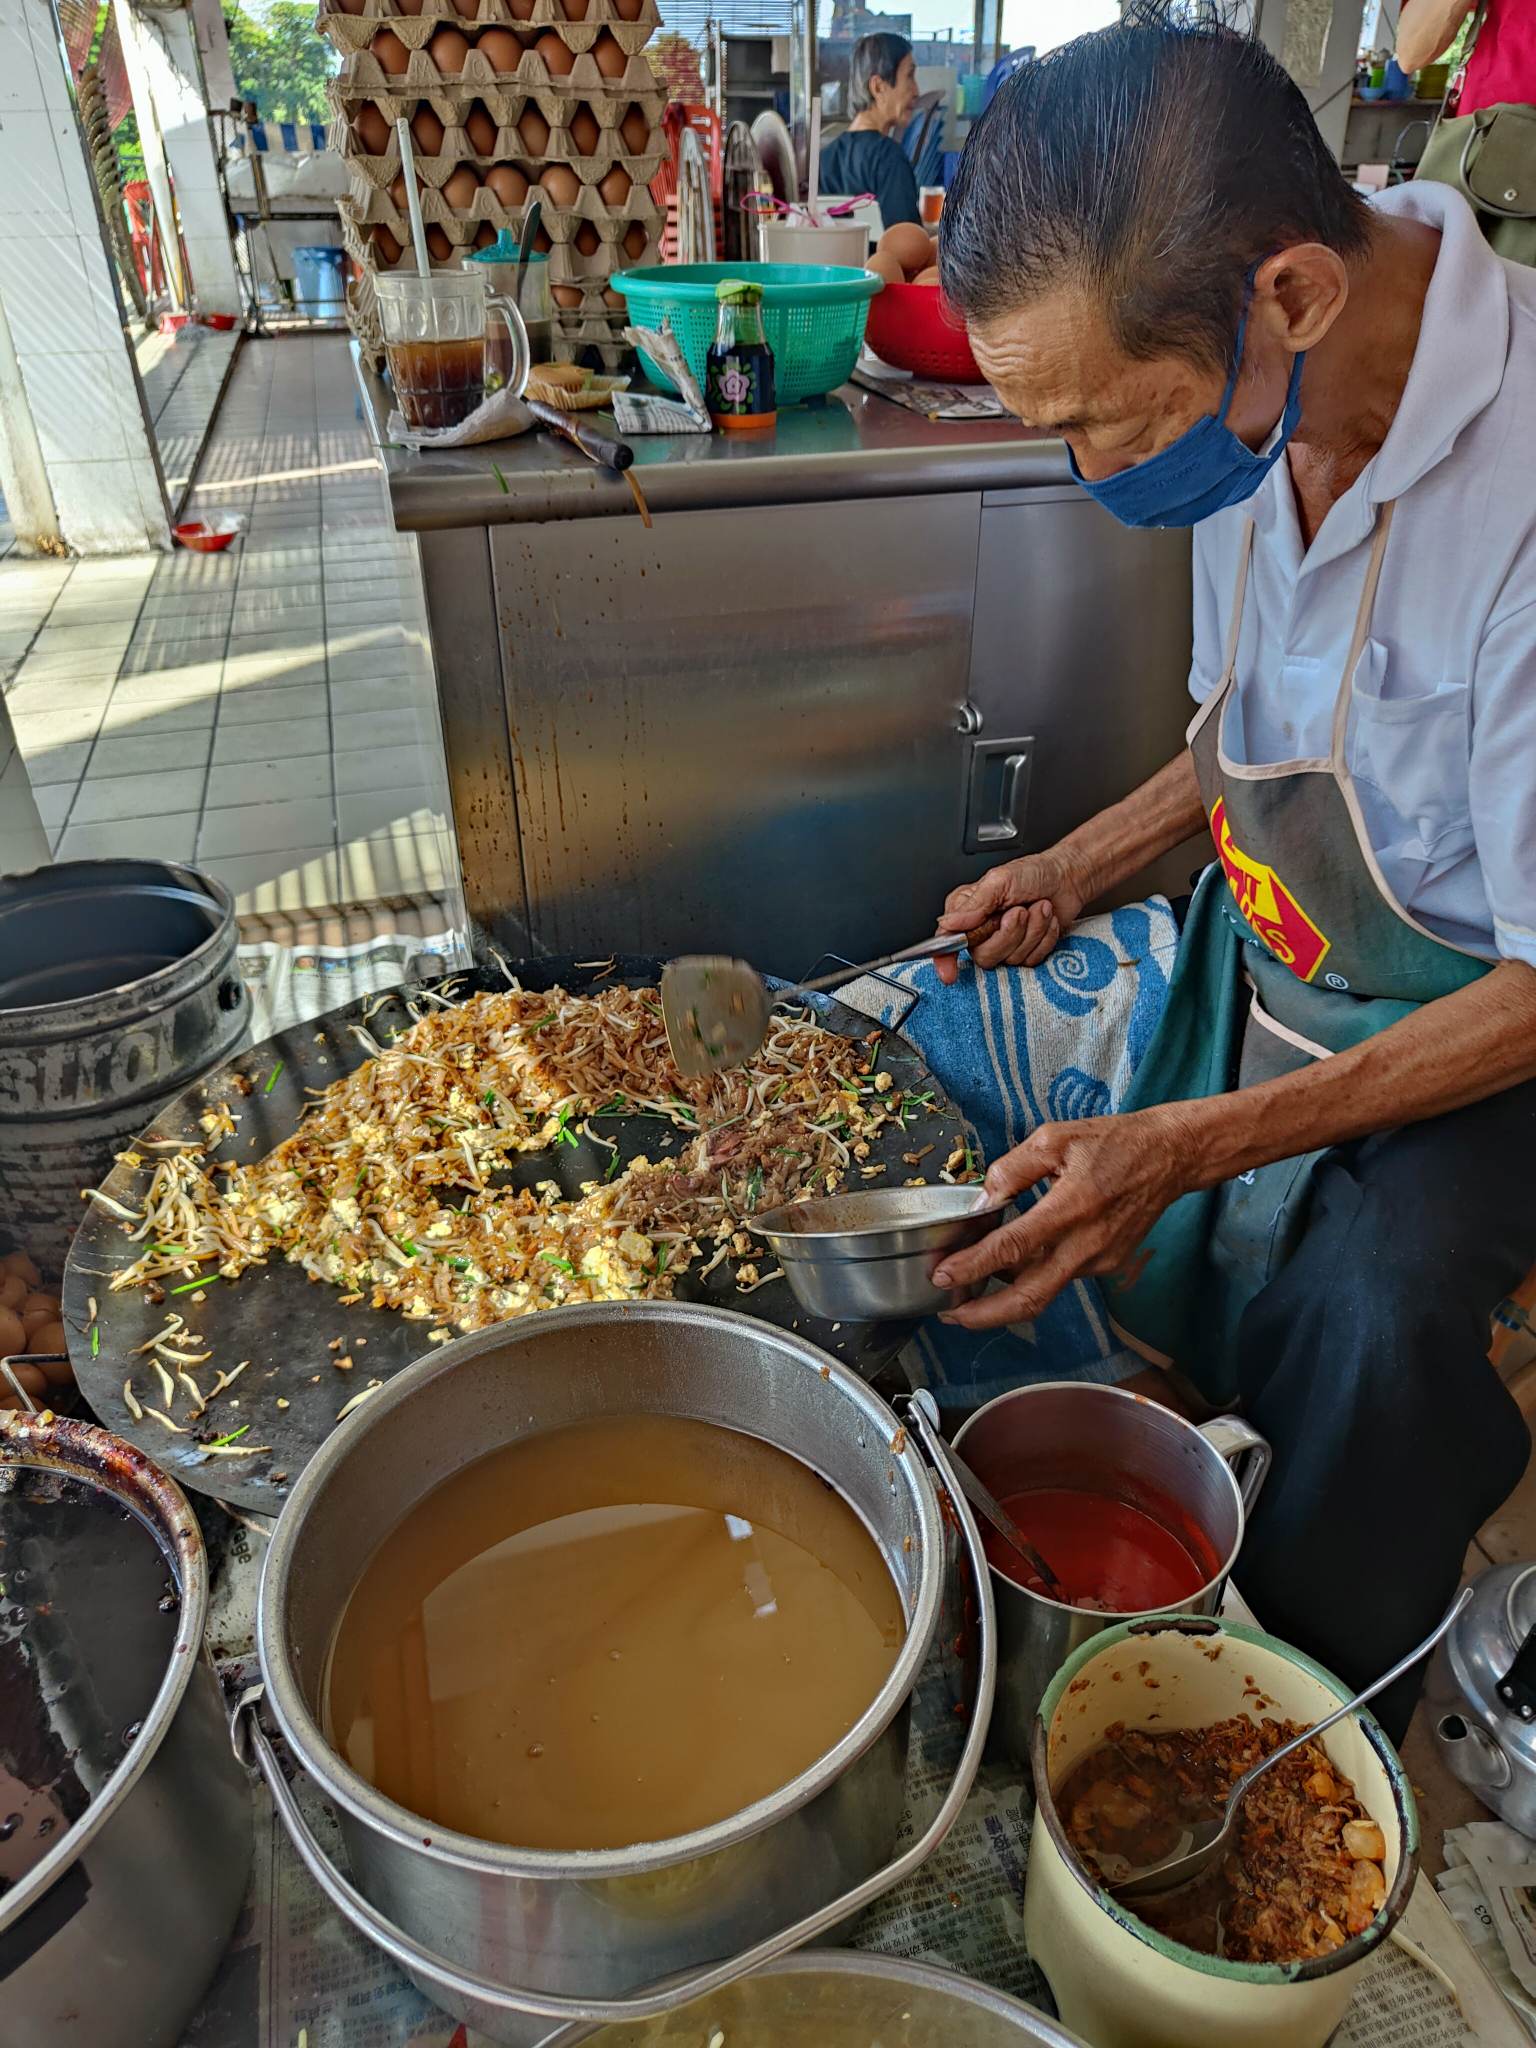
[
  {"x": 1359, "y": 637},
  {"x": 1235, "y": 624}
]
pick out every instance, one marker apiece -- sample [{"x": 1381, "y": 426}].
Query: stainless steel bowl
[{"x": 867, "y": 1257}]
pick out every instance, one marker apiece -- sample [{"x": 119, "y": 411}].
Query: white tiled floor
[{"x": 270, "y": 712}]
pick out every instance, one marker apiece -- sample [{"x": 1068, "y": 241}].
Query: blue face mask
[{"x": 1206, "y": 469}]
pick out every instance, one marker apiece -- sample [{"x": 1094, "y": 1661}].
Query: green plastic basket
[{"x": 813, "y": 316}]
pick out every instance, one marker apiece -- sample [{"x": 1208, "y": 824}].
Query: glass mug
[
  {"x": 435, "y": 344},
  {"x": 534, "y": 301}
]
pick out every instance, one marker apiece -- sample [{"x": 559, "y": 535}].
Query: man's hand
[
  {"x": 1110, "y": 1178},
  {"x": 1034, "y": 901}
]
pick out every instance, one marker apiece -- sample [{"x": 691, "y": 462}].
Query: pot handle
[
  {"x": 1231, "y": 1437},
  {"x": 253, "y": 1745}
]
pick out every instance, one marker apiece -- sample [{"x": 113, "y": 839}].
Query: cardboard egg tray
[
  {"x": 593, "y": 304},
  {"x": 633, "y": 26},
  {"x": 452, "y": 101},
  {"x": 593, "y": 339},
  {"x": 503, "y": 91},
  {"x": 461, "y": 224},
  {"x": 378, "y": 173}
]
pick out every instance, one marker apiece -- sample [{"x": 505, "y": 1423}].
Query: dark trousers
[{"x": 1365, "y": 1363}]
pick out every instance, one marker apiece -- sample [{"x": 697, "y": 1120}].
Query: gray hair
[
  {"x": 878, "y": 56},
  {"x": 1155, "y": 163}
]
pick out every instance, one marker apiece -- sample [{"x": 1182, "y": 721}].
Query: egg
[
  {"x": 635, "y": 243},
  {"x": 387, "y": 248},
  {"x": 614, "y": 299},
  {"x": 928, "y": 276},
  {"x": 460, "y": 188},
  {"x": 567, "y": 295},
  {"x": 610, "y": 59},
  {"x": 50, "y": 1337},
  {"x": 58, "y": 1372},
  {"x": 439, "y": 248},
  {"x": 541, "y": 242},
  {"x": 466, "y": 9},
  {"x": 557, "y": 58},
  {"x": 410, "y": 6},
  {"x": 887, "y": 267},
  {"x": 614, "y": 187},
  {"x": 520, "y": 10},
  {"x": 399, "y": 197},
  {"x": 13, "y": 1337},
  {"x": 574, "y": 10},
  {"x": 628, "y": 10},
  {"x": 508, "y": 184},
  {"x": 501, "y": 50},
  {"x": 481, "y": 130},
  {"x": 448, "y": 49},
  {"x": 585, "y": 133},
  {"x": 485, "y": 234},
  {"x": 533, "y": 131},
  {"x": 13, "y": 1289},
  {"x": 911, "y": 246},
  {"x": 636, "y": 131},
  {"x": 391, "y": 53},
  {"x": 372, "y": 130},
  {"x": 426, "y": 131},
  {"x": 588, "y": 240},
  {"x": 18, "y": 1262},
  {"x": 37, "y": 1301},
  {"x": 28, "y": 1376},
  {"x": 348, "y": 6},
  {"x": 561, "y": 185}
]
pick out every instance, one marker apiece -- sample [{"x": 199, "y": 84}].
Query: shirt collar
[{"x": 1456, "y": 371}]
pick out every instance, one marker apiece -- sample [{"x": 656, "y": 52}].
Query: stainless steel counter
[{"x": 849, "y": 665}]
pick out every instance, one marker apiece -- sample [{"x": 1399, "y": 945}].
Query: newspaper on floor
[
  {"x": 291, "y": 984},
  {"x": 296, "y": 1976},
  {"x": 1489, "y": 1887}
]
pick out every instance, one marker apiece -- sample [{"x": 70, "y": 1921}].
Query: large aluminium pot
[
  {"x": 118, "y": 989},
  {"x": 514, "y": 1940},
  {"x": 111, "y": 1940}
]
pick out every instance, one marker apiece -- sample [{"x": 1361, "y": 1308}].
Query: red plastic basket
[{"x": 911, "y": 328}]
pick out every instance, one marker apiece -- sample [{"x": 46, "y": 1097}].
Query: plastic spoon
[{"x": 1212, "y": 1838}]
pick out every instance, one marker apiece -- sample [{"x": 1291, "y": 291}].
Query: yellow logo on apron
[{"x": 1267, "y": 904}]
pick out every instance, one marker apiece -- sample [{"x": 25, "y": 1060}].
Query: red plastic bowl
[
  {"x": 207, "y": 536},
  {"x": 911, "y": 328}
]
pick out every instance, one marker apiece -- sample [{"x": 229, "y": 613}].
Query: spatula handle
[{"x": 926, "y": 949}]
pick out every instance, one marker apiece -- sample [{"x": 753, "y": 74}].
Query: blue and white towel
[{"x": 1017, "y": 1048}]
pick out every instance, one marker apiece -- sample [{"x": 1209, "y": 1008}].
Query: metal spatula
[{"x": 716, "y": 1008}]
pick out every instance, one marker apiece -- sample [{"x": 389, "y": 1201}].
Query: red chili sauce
[{"x": 1108, "y": 1554}]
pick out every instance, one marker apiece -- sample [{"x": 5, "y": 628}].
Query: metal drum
[
  {"x": 118, "y": 989},
  {"x": 516, "y": 1940},
  {"x": 112, "y": 1938}
]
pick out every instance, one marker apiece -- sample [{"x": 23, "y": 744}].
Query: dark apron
[{"x": 1294, "y": 948}]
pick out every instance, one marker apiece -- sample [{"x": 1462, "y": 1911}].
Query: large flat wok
[{"x": 285, "y": 1323}]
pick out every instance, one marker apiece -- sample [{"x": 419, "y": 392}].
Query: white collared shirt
[{"x": 1442, "y": 732}]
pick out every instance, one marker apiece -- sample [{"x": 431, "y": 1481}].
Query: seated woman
[{"x": 882, "y": 91}]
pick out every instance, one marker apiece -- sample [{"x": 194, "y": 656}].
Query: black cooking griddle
[{"x": 285, "y": 1323}]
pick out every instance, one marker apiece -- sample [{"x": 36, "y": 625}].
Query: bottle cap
[{"x": 738, "y": 291}]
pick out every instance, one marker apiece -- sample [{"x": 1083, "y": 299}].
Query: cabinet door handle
[{"x": 997, "y": 793}]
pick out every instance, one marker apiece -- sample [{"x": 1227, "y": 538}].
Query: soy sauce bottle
[{"x": 738, "y": 371}]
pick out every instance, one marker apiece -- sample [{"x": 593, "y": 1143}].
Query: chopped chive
[
  {"x": 186, "y": 1287},
  {"x": 779, "y": 1090},
  {"x": 95, "y": 1341},
  {"x": 234, "y": 1437},
  {"x": 489, "y": 1098},
  {"x": 613, "y": 1167},
  {"x": 496, "y": 472},
  {"x": 408, "y": 1247},
  {"x": 272, "y": 1078},
  {"x": 555, "y": 1259},
  {"x": 661, "y": 1260},
  {"x": 754, "y": 1186}
]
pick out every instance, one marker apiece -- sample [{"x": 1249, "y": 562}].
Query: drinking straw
[
  {"x": 413, "y": 197},
  {"x": 815, "y": 163}
]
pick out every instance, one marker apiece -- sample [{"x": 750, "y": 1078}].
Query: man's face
[{"x": 1055, "y": 364}]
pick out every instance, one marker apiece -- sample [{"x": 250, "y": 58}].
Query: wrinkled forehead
[{"x": 1057, "y": 364}]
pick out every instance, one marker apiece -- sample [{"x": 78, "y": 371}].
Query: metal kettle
[{"x": 1482, "y": 1694}]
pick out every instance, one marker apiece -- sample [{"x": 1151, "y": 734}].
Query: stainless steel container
[
  {"x": 842, "y": 1999},
  {"x": 512, "y": 1939},
  {"x": 1075, "y": 1434},
  {"x": 118, "y": 989},
  {"x": 1481, "y": 1694},
  {"x": 866, "y": 1257},
  {"x": 112, "y": 1939}
]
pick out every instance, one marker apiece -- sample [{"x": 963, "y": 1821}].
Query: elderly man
[{"x": 1323, "y": 1182}]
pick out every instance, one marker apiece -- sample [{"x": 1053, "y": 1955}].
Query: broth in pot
[{"x": 611, "y": 1633}]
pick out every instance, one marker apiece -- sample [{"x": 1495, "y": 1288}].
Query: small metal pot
[
  {"x": 1481, "y": 1694},
  {"x": 1076, "y": 1434},
  {"x": 111, "y": 1941},
  {"x": 512, "y": 1940},
  {"x": 843, "y": 1999},
  {"x": 868, "y": 1257}
]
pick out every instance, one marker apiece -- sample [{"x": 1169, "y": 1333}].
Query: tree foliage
[{"x": 279, "y": 61}]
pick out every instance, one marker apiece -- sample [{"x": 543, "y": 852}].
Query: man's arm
[
  {"x": 1426, "y": 30},
  {"x": 1039, "y": 897},
  {"x": 1112, "y": 1177}
]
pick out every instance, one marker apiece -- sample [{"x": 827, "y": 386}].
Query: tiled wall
[
  {"x": 23, "y": 842},
  {"x": 61, "y": 304}
]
